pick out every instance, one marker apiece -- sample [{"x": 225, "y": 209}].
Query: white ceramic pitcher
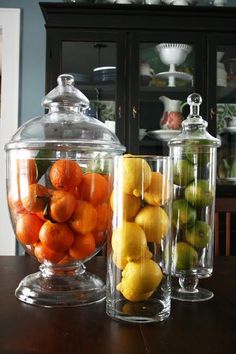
[{"x": 172, "y": 115}]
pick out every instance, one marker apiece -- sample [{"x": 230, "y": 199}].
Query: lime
[
  {"x": 199, "y": 235},
  {"x": 199, "y": 193},
  {"x": 183, "y": 214},
  {"x": 185, "y": 257},
  {"x": 183, "y": 172}
]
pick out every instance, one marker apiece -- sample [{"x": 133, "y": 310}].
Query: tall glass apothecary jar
[
  {"x": 194, "y": 176},
  {"x": 139, "y": 249},
  {"x": 59, "y": 178}
]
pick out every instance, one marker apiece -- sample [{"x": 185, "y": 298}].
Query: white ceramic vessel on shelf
[
  {"x": 220, "y": 2},
  {"x": 142, "y": 133},
  {"x": 172, "y": 75},
  {"x": 220, "y": 56},
  {"x": 221, "y": 72},
  {"x": 146, "y": 70},
  {"x": 162, "y": 134},
  {"x": 221, "y": 75},
  {"x": 173, "y": 54},
  {"x": 178, "y": 2},
  {"x": 124, "y": 2},
  {"x": 172, "y": 114},
  {"x": 152, "y": 2}
]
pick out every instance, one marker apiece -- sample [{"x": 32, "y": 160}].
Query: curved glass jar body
[
  {"x": 59, "y": 177},
  {"x": 138, "y": 263},
  {"x": 194, "y": 176}
]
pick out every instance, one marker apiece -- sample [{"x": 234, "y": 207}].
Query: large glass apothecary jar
[{"x": 59, "y": 177}]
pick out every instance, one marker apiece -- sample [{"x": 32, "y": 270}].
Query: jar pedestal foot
[
  {"x": 188, "y": 290},
  {"x": 61, "y": 287}
]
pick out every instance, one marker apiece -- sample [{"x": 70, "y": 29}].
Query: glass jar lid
[
  {"x": 66, "y": 124},
  {"x": 194, "y": 127}
]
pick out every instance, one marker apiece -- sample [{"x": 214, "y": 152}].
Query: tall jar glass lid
[
  {"x": 66, "y": 124},
  {"x": 194, "y": 127}
]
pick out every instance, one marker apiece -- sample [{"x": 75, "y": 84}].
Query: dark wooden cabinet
[{"x": 84, "y": 37}]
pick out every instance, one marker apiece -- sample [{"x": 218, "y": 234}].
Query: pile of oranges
[{"x": 67, "y": 218}]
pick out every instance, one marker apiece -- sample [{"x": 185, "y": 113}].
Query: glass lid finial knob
[
  {"x": 65, "y": 79},
  {"x": 194, "y": 100},
  {"x": 65, "y": 95}
]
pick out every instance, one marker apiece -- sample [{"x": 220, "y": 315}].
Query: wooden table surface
[{"x": 193, "y": 328}]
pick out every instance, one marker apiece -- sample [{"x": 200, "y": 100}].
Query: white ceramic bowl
[
  {"x": 173, "y": 53},
  {"x": 152, "y": 2}
]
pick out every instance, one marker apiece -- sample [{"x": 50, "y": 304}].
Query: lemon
[
  {"x": 118, "y": 260},
  {"x": 158, "y": 191},
  {"x": 129, "y": 241},
  {"x": 154, "y": 221},
  {"x": 127, "y": 204},
  {"x": 121, "y": 261},
  {"x": 133, "y": 296},
  {"x": 136, "y": 174},
  {"x": 139, "y": 278}
]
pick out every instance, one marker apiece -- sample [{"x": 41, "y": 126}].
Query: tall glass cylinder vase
[
  {"x": 194, "y": 176},
  {"x": 138, "y": 263}
]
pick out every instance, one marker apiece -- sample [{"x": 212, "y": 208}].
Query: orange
[
  {"x": 23, "y": 172},
  {"x": 62, "y": 205},
  {"x": 56, "y": 236},
  {"x": 42, "y": 215},
  {"x": 43, "y": 253},
  {"x": 27, "y": 228},
  {"x": 66, "y": 259},
  {"x": 15, "y": 204},
  {"x": 110, "y": 181},
  {"x": 26, "y": 171},
  {"x": 104, "y": 217},
  {"x": 76, "y": 192},
  {"x": 94, "y": 188},
  {"x": 83, "y": 246},
  {"x": 84, "y": 218},
  {"x": 36, "y": 198},
  {"x": 65, "y": 174},
  {"x": 99, "y": 237}
]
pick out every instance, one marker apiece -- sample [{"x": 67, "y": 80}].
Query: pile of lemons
[{"x": 137, "y": 202}]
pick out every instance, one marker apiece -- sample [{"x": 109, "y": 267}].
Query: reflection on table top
[{"x": 193, "y": 328}]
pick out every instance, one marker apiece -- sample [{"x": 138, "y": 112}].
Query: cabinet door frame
[
  {"x": 10, "y": 21},
  {"x": 55, "y": 38},
  {"x": 215, "y": 40},
  {"x": 136, "y": 38}
]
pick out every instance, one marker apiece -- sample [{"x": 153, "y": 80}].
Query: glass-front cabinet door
[
  {"x": 169, "y": 68},
  {"x": 223, "y": 105},
  {"x": 97, "y": 65}
]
